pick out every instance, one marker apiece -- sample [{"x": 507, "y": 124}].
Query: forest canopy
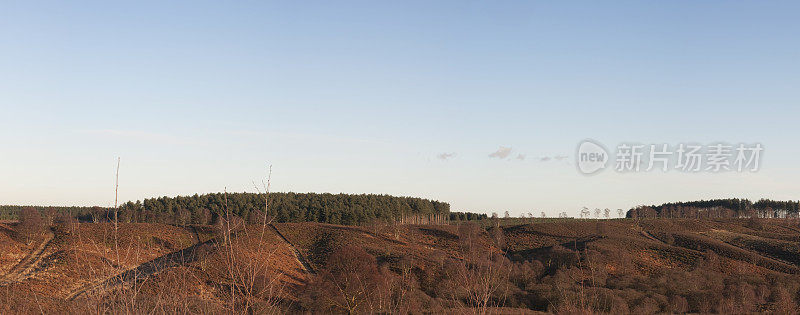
[
  {"x": 727, "y": 208},
  {"x": 346, "y": 209}
]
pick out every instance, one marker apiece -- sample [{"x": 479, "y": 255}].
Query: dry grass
[{"x": 624, "y": 266}]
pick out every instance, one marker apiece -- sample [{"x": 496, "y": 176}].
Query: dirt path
[
  {"x": 184, "y": 256},
  {"x": 23, "y": 269},
  {"x": 297, "y": 255},
  {"x": 751, "y": 251},
  {"x": 651, "y": 237},
  {"x": 187, "y": 255},
  {"x": 761, "y": 256},
  {"x": 790, "y": 228},
  {"x": 196, "y": 235}
]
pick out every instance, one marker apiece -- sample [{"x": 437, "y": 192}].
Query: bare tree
[
  {"x": 585, "y": 213},
  {"x": 116, "y": 198},
  {"x": 246, "y": 259},
  {"x": 116, "y": 211},
  {"x": 204, "y": 216},
  {"x": 498, "y": 237},
  {"x": 49, "y": 216},
  {"x": 353, "y": 283},
  {"x": 481, "y": 278},
  {"x": 184, "y": 217},
  {"x": 607, "y": 213},
  {"x": 65, "y": 223},
  {"x": 31, "y": 225}
]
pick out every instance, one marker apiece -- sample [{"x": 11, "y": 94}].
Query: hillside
[{"x": 615, "y": 266}]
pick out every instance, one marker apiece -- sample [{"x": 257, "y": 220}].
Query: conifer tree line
[
  {"x": 719, "y": 208},
  {"x": 467, "y": 216},
  {"x": 345, "y": 209},
  {"x": 13, "y": 212}
]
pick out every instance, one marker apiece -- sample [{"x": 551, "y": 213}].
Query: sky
[{"x": 469, "y": 102}]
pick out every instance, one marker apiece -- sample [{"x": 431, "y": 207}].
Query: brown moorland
[{"x": 558, "y": 266}]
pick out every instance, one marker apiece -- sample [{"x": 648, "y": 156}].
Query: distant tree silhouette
[
  {"x": 289, "y": 207},
  {"x": 719, "y": 208}
]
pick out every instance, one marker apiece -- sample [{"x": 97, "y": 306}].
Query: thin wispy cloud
[
  {"x": 445, "y": 156},
  {"x": 136, "y": 135},
  {"x": 521, "y": 157},
  {"x": 501, "y": 153},
  {"x": 300, "y": 136}
]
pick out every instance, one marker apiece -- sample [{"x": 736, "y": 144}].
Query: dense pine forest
[
  {"x": 346, "y": 209},
  {"x": 343, "y": 209},
  {"x": 719, "y": 208},
  {"x": 13, "y": 212}
]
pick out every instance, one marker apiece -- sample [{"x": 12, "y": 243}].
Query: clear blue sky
[{"x": 364, "y": 96}]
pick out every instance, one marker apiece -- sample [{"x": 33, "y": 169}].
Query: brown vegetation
[
  {"x": 567, "y": 266},
  {"x": 31, "y": 225}
]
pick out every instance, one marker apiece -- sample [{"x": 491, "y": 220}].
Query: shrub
[
  {"x": 31, "y": 225},
  {"x": 65, "y": 223},
  {"x": 352, "y": 282},
  {"x": 678, "y": 304}
]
